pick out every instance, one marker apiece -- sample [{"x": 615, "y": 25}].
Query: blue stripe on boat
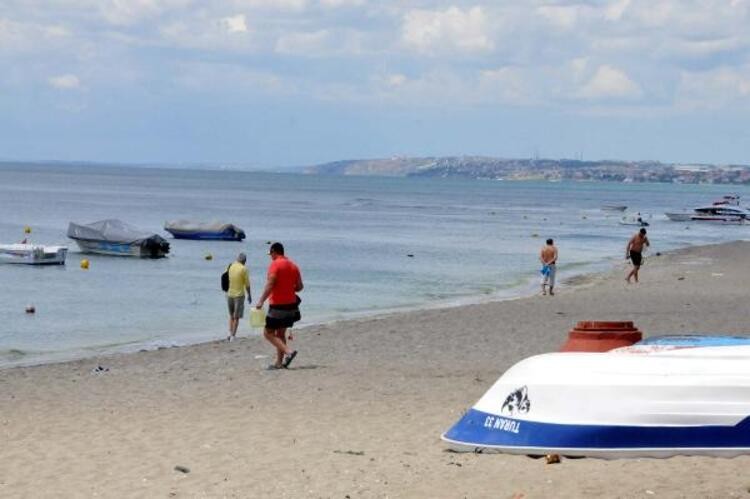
[
  {"x": 696, "y": 340},
  {"x": 480, "y": 429}
]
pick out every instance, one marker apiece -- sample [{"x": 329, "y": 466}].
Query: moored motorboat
[
  {"x": 218, "y": 231},
  {"x": 688, "y": 395},
  {"x": 726, "y": 210},
  {"x": 114, "y": 237},
  {"x": 33, "y": 254}
]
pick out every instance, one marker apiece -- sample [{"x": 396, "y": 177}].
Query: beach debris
[
  {"x": 30, "y": 309},
  {"x": 552, "y": 458},
  {"x": 681, "y": 278},
  {"x": 182, "y": 469},
  {"x": 99, "y": 370},
  {"x": 27, "y": 230},
  {"x": 208, "y": 256},
  {"x": 350, "y": 452},
  {"x": 84, "y": 264}
]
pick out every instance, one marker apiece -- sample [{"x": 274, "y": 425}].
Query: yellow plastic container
[{"x": 257, "y": 317}]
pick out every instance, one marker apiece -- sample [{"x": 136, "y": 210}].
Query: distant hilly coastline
[{"x": 482, "y": 167}]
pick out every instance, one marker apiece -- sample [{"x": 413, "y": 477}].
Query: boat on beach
[
  {"x": 664, "y": 396},
  {"x": 33, "y": 254},
  {"x": 212, "y": 231},
  {"x": 115, "y": 237}
]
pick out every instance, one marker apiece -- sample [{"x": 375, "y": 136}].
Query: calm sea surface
[{"x": 352, "y": 236}]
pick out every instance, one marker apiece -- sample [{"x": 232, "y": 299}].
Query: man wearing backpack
[{"x": 239, "y": 281}]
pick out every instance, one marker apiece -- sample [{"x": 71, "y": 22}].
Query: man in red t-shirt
[{"x": 283, "y": 282}]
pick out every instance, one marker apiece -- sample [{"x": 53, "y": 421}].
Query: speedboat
[
  {"x": 115, "y": 237},
  {"x": 186, "y": 229},
  {"x": 33, "y": 254},
  {"x": 664, "y": 396},
  {"x": 720, "y": 213},
  {"x": 726, "y": 210}
]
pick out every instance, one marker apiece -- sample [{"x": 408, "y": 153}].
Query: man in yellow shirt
[{"x": 239, "y": 281}]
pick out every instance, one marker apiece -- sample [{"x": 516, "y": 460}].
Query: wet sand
[{"x": 361, "y": 411}]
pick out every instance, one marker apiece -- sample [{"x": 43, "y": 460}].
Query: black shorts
[
  {"x": 636, "y": 258},
  {"x": 282, "y": 316}
]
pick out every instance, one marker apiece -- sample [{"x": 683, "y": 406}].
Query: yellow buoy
[
  {"x": 84, "y": 264},
  {"x": 27, "y": 230},
  {"x": 208, "y": 256}
]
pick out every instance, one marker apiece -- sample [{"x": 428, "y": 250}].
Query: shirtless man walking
[
  {"x": 634, "y": 251},
  {"x": 548, "y": 257}
]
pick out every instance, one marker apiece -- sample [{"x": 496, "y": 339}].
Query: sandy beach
[{"x": 361, "y": 411}]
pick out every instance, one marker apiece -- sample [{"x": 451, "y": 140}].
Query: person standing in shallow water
[
  {"x": 548, "y": 257},
  {"x": 283, "y": 282},
  {"x": 634, "y": 251}
]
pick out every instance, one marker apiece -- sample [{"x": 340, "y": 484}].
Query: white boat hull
[
  {"x": 111, "y": 249},
  {"x": 33, "y": 254},
  {"x": 625, "y": 403}
]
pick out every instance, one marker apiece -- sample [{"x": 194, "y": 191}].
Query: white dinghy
[{"x": 32, "y": 254}]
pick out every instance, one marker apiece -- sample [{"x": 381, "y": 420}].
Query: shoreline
[
  {"x": 566, "y": 280},
  {"x": 525, "y": 290},
  {"x": 361, "y": 410}
]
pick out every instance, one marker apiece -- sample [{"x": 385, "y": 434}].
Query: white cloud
[
  {"x": 610, "y": 82},
  {"x": 228, "y": 34},
  {"x": 235, "y": 24},
  {"x": 65, "y": 82},
  {"x": 452, "y": 29}
]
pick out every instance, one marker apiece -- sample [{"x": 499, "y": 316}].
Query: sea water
[{"x": 365, "y": 245}]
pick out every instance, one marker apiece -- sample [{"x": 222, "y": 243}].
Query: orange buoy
[{"x": 601, "y": 336}]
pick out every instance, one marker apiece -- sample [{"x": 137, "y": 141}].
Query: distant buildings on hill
[{"x": 480, "y": 167}]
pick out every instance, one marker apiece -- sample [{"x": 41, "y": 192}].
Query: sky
[{"x": 300, "y": 82}]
